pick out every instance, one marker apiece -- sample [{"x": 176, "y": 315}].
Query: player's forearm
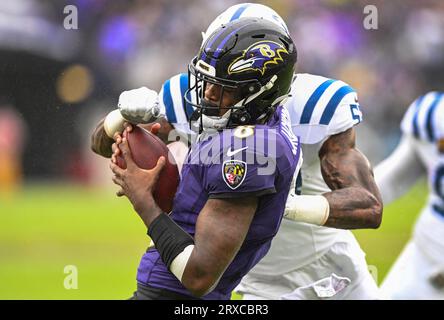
[
  {"x": 354, "y": 203},
  {"x": 355, "y": 198},
  {"x": 353, "y": 208},
  {"x": 185, "y": 258},
  {"x": 199, "y": 262},
  {"x": 202, "y": 269},
  {"x": 347, "y": 208},
  {"x": 348, "y": 169},
  {"x": 200, "y": 276},
  {"x": 220, "y": 232},
  {"x": 100, "y": 142},
  {"x": 180, "y": 254}
]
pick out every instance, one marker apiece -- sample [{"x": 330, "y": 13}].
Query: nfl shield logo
[{"x": 234, "y": 172}]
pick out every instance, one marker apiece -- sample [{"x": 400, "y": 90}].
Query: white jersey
[
  {"x": 424, "y": 122},
  {"x": 318, "y": 107}
]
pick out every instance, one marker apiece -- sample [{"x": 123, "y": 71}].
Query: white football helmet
[{"x": 245, "y": 10}]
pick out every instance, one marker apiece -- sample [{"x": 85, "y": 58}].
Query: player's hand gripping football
[
  {"x": 136, "y": 184},
  {"x": 154, "y": 128}
]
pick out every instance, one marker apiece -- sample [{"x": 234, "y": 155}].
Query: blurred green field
[{"x": 47, "y": 227}]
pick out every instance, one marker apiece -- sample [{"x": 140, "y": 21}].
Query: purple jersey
[{"x": 245, "y": 161}]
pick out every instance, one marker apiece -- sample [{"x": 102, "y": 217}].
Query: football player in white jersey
[
  {"x": 312, "y": 257},
  {"x": 418, "y": 273}
]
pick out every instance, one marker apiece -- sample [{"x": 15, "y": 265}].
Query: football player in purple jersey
[
  {"x": 236, "y": 177},
  {"x": 323, "y": 112}
]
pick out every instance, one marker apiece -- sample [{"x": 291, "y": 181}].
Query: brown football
[{"x": 146, "y": 149}]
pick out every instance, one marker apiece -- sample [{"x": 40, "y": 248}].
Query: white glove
[{"x": 139, "y": 105}]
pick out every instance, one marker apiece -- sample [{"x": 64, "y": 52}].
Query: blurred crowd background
[{"x": 55, "y": 84}]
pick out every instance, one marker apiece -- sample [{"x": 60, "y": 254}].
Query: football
[{"x": 146, "y": 149}]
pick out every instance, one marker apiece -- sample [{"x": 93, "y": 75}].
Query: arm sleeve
[{"x": 396, "y": 174}]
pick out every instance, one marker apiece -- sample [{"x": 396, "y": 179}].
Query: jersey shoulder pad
[
  {"x": 330, "y": 105},
  {"x": 422, "y": 118}
]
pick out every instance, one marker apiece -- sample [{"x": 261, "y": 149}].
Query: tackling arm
[
  {"x": 101, "y": 143},
  {"x": 355, "y": 201},
  {"x": 396, "y": 174}
]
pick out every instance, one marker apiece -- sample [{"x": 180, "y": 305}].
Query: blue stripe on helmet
[
  {"x": 239, "y": 11},
  {"x": 415, "y": 117},
  {"x": 332, "y": 105},
  {"x": 313, "y": 100},
  {"x": 204, "y": 55},
  {"x": 168, "y": 102},
  {"x": 218, "y": 52},
  {"x": 429, "y": 123},
  {"x": 183, "y": 88}
]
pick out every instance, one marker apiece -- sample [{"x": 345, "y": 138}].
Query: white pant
[
  {"x": 341, "y": 273},
  {"x": 414, "y": 277}
]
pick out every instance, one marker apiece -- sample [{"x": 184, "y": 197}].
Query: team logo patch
[
  {"x": 258, "y": 56},
  {"x": 234, "y": 172}
]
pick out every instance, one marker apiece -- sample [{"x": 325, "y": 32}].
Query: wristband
[
  {"x": 308, "y": 209},
  {"x": 113, "y": 123},
  {"x": 173, "y": 243}
]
